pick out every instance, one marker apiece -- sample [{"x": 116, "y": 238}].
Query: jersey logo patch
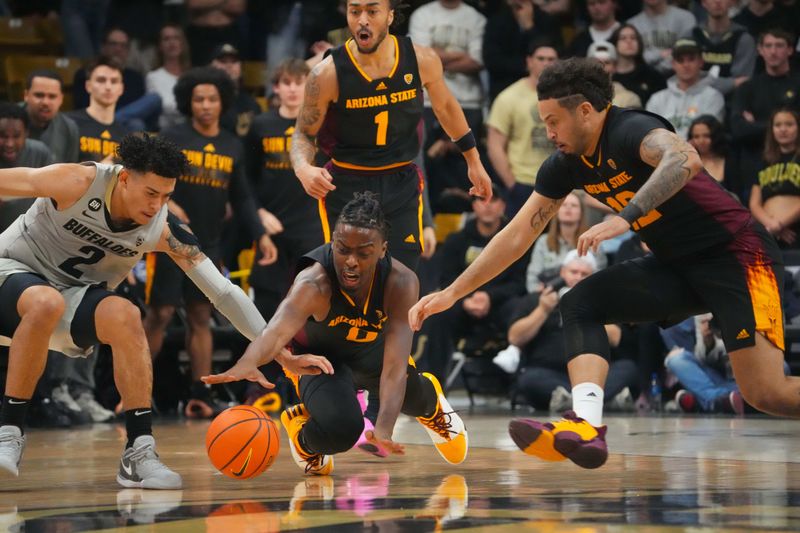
[
  {"x": 612, "y": 164},
  {"x": 95, "y": 204},
  {"x": 209, "y": 148},
  {"x": 289, "y": 131},
  {"x": 410, "y": 238},
  {"x": 742, "y": 335},
  {"x": 105, "y": 135},
  {"x": 381, "y": 87},
  {"x": 408, "y": 78},
  {"x": 139, "y": 241}
]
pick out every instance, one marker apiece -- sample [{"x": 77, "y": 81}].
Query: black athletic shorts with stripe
[{"x": 400, "y": 192}]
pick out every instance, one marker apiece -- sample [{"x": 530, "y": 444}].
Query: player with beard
[{"x": 363, "y": 105}]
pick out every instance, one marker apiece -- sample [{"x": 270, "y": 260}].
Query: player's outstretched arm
[
  {"x": 402, "y": 290},
  {"x": 504, "y": 248},
  {"x": 321, "y": 89},
  {"x": 451, "y": 116},
  {"x": 65, "y": 182},
  {"x": 309, "y": 296}
]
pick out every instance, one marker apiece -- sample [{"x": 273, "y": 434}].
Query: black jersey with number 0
[
  {"x": 701, "y": 215},
  {"x": 374, "y": 122},
  {"x": 350, "y": 332}
]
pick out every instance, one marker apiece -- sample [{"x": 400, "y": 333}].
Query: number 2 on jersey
[
  {"x": 94, "y": 255},
  {"x": 382, "y": 120}
]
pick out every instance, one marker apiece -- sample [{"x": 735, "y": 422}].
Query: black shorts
[
  {"x": 82, "y": 327},
  {"x": 168, "y": 284},
  {"x": 740, "y": 282},
  {"x": 400, "y": 192}
]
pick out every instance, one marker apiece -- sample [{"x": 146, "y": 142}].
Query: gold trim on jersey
[
  {"x": 369, "y": 293},
  {"x": 323, "y": 218},
  {"x": 419, "y": 213},
  {"x": 351, "y": 166},
  {"x": 358, "y": 67}
]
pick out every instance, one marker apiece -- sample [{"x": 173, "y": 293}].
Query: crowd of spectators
[{"x": 723, "y": 72}]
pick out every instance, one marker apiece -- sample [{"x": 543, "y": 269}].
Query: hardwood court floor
[{"x": 664, "y": 474}]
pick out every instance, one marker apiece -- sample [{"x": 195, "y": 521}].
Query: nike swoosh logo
[
  {"x": 127, "y": 468},
  {"x": 244, "y": 466},
  {"x": 140, "y": 413},
  {"x": 14, "y": 402},
  {"x": 88, "y": 215}
]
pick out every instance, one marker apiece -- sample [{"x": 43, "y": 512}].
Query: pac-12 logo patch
[
  {"x": 408, "y": 78},
  {"x": 95, "y": 204},
  {"x": 139, "y": 241}
]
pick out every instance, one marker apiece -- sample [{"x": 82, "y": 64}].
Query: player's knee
[
  {"x": 120, "y": 319},
  {"x": 42, "y": 303},
  {"x": 766, "y": 400},
  {"x": 344, "y": 432}
]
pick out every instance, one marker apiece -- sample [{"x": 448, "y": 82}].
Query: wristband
[
  {"x": 466, "y": 142},
  {"x": 631, "y": 213}
]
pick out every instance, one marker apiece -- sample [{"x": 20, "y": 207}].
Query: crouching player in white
[{"x": 61, "y": 260}]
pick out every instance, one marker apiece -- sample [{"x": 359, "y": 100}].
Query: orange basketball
[{"x": 242, "y": 442}]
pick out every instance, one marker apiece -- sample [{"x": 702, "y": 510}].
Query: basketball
[{"x": 242, "y": 442}]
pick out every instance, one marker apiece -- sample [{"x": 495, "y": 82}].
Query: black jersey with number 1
[
  {"x": 699, "y": 216},
  {"x": 373, "y": 123}
]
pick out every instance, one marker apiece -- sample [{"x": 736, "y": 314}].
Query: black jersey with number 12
[{"x": 374, "y": 122}]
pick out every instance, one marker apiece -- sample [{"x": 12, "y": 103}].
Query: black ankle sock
[
  {"x": 13, "y": 412},
  {"x": 138, "y": 422}
]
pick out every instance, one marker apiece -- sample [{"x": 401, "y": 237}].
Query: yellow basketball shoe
[
  {"x": 570, "y": 438},
  {"x": 446, "y": 428},
  {"x": 293, "y": 420}
]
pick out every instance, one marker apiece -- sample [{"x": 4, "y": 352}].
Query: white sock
[{"x": 587, "y": 402}]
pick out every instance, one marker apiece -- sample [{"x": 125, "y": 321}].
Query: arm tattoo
[
  {"x": 303, "y": 147},
  {"x": 673, "y": 170},
  {"x": 189, "y": 252},
  {"x": 543, "y": 215}
]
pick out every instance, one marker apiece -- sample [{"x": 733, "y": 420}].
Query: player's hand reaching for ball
[
  {"x": 387, "y": 443},
  {"x": 433, "y": 303},
  {"x": 316, "y": 181},
  {"x": 242, "y": 370},
  {"x": 608, "y": 229}
]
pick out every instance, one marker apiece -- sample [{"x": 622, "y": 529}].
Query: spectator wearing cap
[
  {"x": 537, "y": 330},
  {"x": 729, "y": 52},
  {"x": 660, "y": 25},
  {"x": 481, "y": 315},
  {"x": 602, "y": 14},
  {"x": 239, "y": 116},
  {"x": 606, "y": 54},
  {"x": 517, "y": 140},
  {"x": 42, "y": 102},
  {"x": 689, "y": 93}
]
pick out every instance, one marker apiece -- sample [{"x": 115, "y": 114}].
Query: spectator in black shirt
[
  {"x": 631, "y": 70},
  {"x": 244, "y": 107},
  {"x": 217, "y": 166}
]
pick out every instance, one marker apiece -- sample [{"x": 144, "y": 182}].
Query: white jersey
[{"x": 76, "y": 246}]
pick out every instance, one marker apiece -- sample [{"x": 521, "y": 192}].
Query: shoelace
[
  {"x": 314, "y": 462},
  {"x": 19, "y": 442},
  {"x": 441, "y": 424},
  {"x": 144, "y": 454}
]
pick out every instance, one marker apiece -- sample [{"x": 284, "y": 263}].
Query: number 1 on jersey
[{"x": 382, "y": 120}]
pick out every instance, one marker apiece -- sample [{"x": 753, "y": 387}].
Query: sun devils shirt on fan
[
  {"x": 77, "y": 246},
  {"x": 216, "y": 175},
  {"x": 699, "y": 216},
  {"x": 97, "y": 140}
]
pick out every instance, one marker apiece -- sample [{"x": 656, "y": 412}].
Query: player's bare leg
[
  {"x": 40, "y": 309},
  {"x": 200, "y": 346},
  {"x": 156, "y": 321},
  {"x": 759, "y": 373},
  {"x": 118, "y": 323}
]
